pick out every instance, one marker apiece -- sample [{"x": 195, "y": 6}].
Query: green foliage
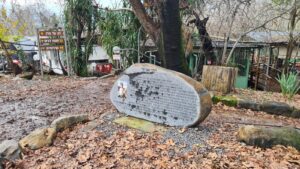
[
  {"x": 226, "y": 100},
  {"x": 119, "y": 28},
  {"x": 289, "y": 84},
  {"x": 282, "y": 2},
  {"x": 81, "y": 17},
  {"x": 7, "y": 24}
]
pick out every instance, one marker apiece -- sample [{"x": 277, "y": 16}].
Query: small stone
[
  {"x": 90, "y": 126},
  {"x": 9, "y": 149},
  {"x": 38, "y": 139},
  {"x": 68, "y": 121}
]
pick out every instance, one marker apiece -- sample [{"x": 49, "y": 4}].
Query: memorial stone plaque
[{"x": 156, "y": 94}]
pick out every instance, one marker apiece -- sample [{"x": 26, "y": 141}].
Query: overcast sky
[{"x": 56, "y": 5}]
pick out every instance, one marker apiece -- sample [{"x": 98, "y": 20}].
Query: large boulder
[
  {"x": 9, "y": 149},
  {"x": 38, "y": 139},
  {"x": 68, "y": 121},
  {"x": 159, "y": 95},
  {"x": 267, "y": 137}
]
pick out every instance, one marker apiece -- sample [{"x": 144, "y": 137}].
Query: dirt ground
[
  {"x": 26, "y": 105},
  {"x": 262, "y": 96}
]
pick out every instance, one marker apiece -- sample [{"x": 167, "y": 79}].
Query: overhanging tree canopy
[{"x": 166, "y": 33}]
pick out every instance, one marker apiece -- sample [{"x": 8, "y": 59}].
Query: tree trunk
[
  {"x": 79, "y": 59},
  {"x": 206, "y": 42},
  {"x": 269, "y": 137},
  {"x": 173, "y": 53},
  {"x": 167, "y": 36},
  {"x": 289, "y": 53},
  {"x": 9, "y": 59},
  {"x": 150, "y": 27},
  {"x": 292, "y": 25}
]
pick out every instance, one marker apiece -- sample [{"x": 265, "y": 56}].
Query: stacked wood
[{"x": 219, "y": 78}]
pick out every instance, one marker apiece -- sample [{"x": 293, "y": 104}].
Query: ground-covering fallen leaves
[
  {"x": 263, "y": 96},
  {"x": 113, "y": 146}
]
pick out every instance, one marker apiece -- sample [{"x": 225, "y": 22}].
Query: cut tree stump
[
  {"x": 268, "y": 137},
  {"x": 219, "y": 78}
]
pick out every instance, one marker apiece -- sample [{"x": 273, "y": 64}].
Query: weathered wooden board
[
  {"x": 219, "y": 78},
  {"x": 156, "y": 94}
]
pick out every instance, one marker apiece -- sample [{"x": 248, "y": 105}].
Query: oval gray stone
[{"x": 156, "y": 94}]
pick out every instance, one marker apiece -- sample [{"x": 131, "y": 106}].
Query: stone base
[{"x": 140, "y": 124}]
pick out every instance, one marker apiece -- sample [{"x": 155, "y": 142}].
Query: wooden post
[
  {"x": 66, "y": 50},
  {"x": 219, "y": 78},
  {"x": 268, "y": 68},
  {"x": 40, "y": 53},
  {"x": 257, "y": 69}
]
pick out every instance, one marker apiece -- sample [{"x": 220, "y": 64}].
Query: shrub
[{"x": 289, "y": 84}]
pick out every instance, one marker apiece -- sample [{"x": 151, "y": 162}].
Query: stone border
[
  {"x": 270, "y": 107},
  {"x": 39, "y": 138}
]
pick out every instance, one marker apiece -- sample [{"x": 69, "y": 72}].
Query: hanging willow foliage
[{"x": 81, "y": 17}]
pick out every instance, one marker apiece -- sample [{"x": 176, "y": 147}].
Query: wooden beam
[{"x": 257, "y": 69}]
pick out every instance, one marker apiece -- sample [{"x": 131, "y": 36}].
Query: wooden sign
[
  {"x": 51, "y": 33},
  {"x": 56, "y": 41},
  {"x": 116, "y": 57},
  {"x": 51, "y": 40},
  {"x": 52, "y": 47}
]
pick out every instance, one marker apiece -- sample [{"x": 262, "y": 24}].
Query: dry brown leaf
[{"x": 83, "y": 156}]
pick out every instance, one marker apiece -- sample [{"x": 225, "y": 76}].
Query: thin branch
[{"x": 251, "y": 30}]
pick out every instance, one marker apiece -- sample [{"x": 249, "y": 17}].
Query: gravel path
[{"x": 27, "y": 105}]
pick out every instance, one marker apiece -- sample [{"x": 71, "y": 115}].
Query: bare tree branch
[
  {"x": 251, "y": 30},
  {"x": 145, "y": 20}
]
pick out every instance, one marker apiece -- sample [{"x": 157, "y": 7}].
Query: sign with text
[
  {"x": 57, "y": 41},
  {"x": 43, "y": 48},
  {"x": 116, "y": 57},
  {"x": 51, "y": 33},
  {"x": 159, "y": 95},
  {"x": 51, "y": 40}
]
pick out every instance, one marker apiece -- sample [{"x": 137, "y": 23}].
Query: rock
[
  {"x": 9, "y": 149},
  {"x": 90, "y": 126},
  {"x": 248, "y": 104},
  {"x": 68, "y": 121},
  {"x": 140, "y": 124},
  {"x": 296, "y": 113},
  {"x": 276, "y": 108},
  {"x": 38, "y": 139},
  {"x": 268, "y": 137},
  {"x": 159, "y": 95}
]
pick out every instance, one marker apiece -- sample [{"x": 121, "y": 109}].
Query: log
[
  {"x": 266, "y": 137},
  {"x": 219, "y": 78}
]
